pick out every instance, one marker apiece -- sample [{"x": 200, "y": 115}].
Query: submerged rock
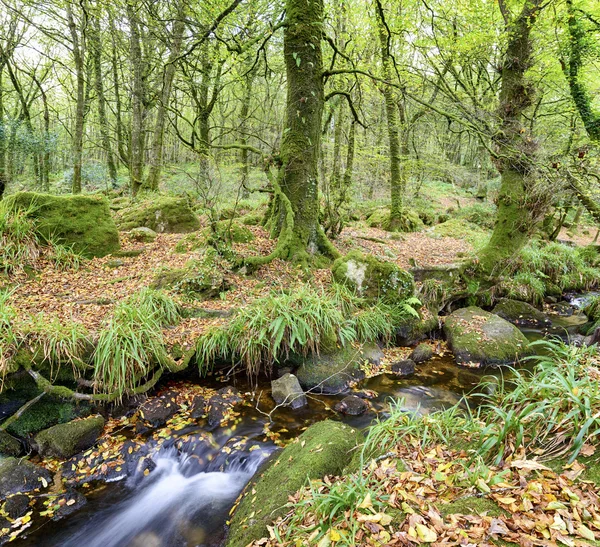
[
  {"x": 352, "y": 406},
  {"x": 287, "y": 392},
  {"x": 323, "y": 449},
  {"x": 66, "y": 440},
  {"x": 83, "y": 222},
  {"x": 331, "y": 372},
  {"x": 479, "y": 338},
  {"x": 20, "y": 476},
  {"x": 520, "y": 313},
  {"x": 422, "y": 353},
  {"x": 373, "y": 278},
  {"x": 405, "y": 367}
]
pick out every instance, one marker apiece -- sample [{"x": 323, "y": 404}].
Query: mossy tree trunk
[
  {"x": 514, "y": 145},
  {"x": 296, "y": 206},
  {"x": 397, "y": 178}
]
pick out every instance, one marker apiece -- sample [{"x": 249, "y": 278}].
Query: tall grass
[
  {"x": 302, "y": 321},
  {"x": 132, "y": 345},
  {"x": 8, "y": 337},
  {"x": 19, "y": 243}
]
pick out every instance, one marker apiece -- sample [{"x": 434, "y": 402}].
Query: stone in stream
[
  {"x": 521, "y": 313},
  {"x": 325, "y": 448},
  {"x": 422, "y": 353},
  {"x": 405, "y": 367},
  {"x": 66, "y": 440},
  {"x": 73, "y": 501},
  {"x": 221, "y": 404},
  {"x": 479, "y": 338},
  {"x": 20, "y": 476},
  {"x": 9, "y": 446},
  {"x": 158, "y": 410},
  {"x": 287, "y": 392},
  {"x": 198, "y": 407},
  {"x": 352, "y": 406},
  {"x": 16, "y": 506}
]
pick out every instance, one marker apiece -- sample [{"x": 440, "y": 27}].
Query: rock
[
  {"x": 9, "y": 446},
  {"x": 287, "y": 392},
  {"x": 372, "y": 353},
  {"x": 372, "y": 278},
  {"x": 158, "y": 410},
  {"x": 66, "y": 440},
  {"x": 74, "y": 501},
  {"x": 198, "y": 407},
  {"x": 16, "y": 506},
  {"x": 227, "y": 230},
  {"x": 83, "y": 222},
  {"x": 410, "y": 221},
  {"x": 422, "y": 353},
  {"x": 325, "y": 448},
  {"x": 220, "y": 405},
  {"x": 117, "y": 263},
  {"x": 352, "y": 406},
  {"x": 403, "y": 368},
  {"x": 413, "y": 330},
  {"x": 479, "y": 338},
  {"x": 520, "y": 313},
  {"x": 330, "y": 372},
  {"x": 564, "y": 309},
  {"x": 143, "y": 234},
  {"x": 163, "y": 214},
  {"x": 20, "y": 476}
]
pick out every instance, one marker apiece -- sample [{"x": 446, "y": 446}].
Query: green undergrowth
[
  {"x": 132, "y": 344},
  {"x": 460, "y": 229},
  {"x": 303, "y": 320},
  {"x": 543, "y": 269}
]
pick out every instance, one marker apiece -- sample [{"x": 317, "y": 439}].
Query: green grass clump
[
  {"x": 132, "y": 345},
  {"x": 19, "y": 244},
  {"x": 8, "y": 337},
  {"x": 300, "y": 321},
  {"x": 592, "y": 309},
  {"x": 483, "y": 215}
]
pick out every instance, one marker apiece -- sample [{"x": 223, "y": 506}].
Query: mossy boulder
[
  {"x": 83, "y": 222},
  {"x": 9, "y": 446},
  {"x": 163, "y": 214},
  {"x": 66, "y": 440},
  {"x": 410, "y": 221},
  {"x": 373, "y": 278},
  {"x": 332, "y": 372},
  {"x": 227, "y": 230},
  {"x": 19, "y": 476},
  {"x": 479, "y": 338},
  {"x": 415, "y": 329},
  {"x": 325, "y": 448},
  {"x": 191, "y": 242},
  {"x": 521, "y": 313},
  {"x": 143, "y": 234}
]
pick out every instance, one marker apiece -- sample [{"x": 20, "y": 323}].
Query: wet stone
[
  {"x": 286, "y": 391},
  {"x": 158, "y": 410},
  {"x": 73, "y": 502},
  {"x": 404, "y": 368},
  {"x": 16, "y": 506},
  {"x": 19, "y": 476},
  {"x": 352, "y": 406},
  {"x": 421, "y": 353},
  {"x": 198, "y": 407}
]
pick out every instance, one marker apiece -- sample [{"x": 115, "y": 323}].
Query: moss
[
  {"x": 460, "y": 229},
  {"x": 66, "y": 440},
  {"x": 323, "y": 449},
  {"x": 44, "y": 414},
  {"x": 235, "y": 232},
  {"x": 472, "y": 505},
  {"x": 83, "y": 222},
  {"x": 413, "y": 329},
  {"x": 520, "y": 313},
  {"x": 409, "y": 221},
  {"x": 191, "y": 242},
  {"x": 159, "y": 213},
  {"x": 373, "y": 278},
  {"x": 9, "y": 446},
  {"x": 252, "y": 219}
]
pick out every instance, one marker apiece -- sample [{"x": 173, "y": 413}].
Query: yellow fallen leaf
[
  {"x": 366, "y": 503},
  {"x": 586, "y": 533},
  {"x": 334, "y": 535},
  {"x": 426, "y": 534}
]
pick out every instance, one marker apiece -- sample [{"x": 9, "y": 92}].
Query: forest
[{"x": 299, "y": 273}]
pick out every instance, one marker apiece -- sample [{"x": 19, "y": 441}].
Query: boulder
[
  {"x": 143, "y": 234},
  {"x": 352, "y": 406},
  {"x": 414, "y": 330},
  {"x": 227, "y": 230},
  {"x": 331, "y": 372},
  {"x": 163, "y": 214},
  {"x": 83, "y": 222},
  {"x": 404, "y": 368},
  {"x": 422, "y": 353},
  {"x": 372, "y": 278},
  {"x": 198, "y": 407},
  {"x": 287, "y": 392},
  {"x": 66, "y": 440},
  {"x": 9, "y": 446},
  {"x": 521, "y": 313},
  {"x": 479, "y": 338},
  {"x": 20, "y": 476},
  {"x": 325, "y": 448},
  {"x": 16, "y": 506},
  {"x": 158, "y": 410},
  {"x": 221, "y": 404}
]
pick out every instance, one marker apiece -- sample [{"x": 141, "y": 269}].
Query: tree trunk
[
  {"x": 156, "y": 148},
  {"x": 244, "y": 113},
  {"x": 515, "y": 148},
  {"x": 3, "y": 135},
  {"x": 78, "y": 58},
  {"x": 397, "y": 181}
]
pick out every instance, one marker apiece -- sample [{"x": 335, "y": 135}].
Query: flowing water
[{"x": 186, "y": 498}]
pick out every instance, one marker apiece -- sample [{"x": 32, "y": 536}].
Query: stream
[{"x": 197, "y": 476}]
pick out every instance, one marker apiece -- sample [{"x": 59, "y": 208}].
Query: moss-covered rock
[
  {"x": 83, "y": 222},
  {"x": 143, "y": 234},
  {"x": 521, "y": 313},
  {"x": 373, "y": 278},
  {"x": 410, "y": 222},
  {"x": 9, "y": 446},
  {"x": 18, "y": 476},
  {"x": 479, "y": 338},
  {"x": 227, "y": 230},
  {"x": 191, "y": 242},
  {"x": 66, "y": 440},
  {"x": 414, "y": 329},
  {"x": 163, "y": 214},
  {"x": 323, "y": 449},
  {"x": 333, "y": 371}
]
